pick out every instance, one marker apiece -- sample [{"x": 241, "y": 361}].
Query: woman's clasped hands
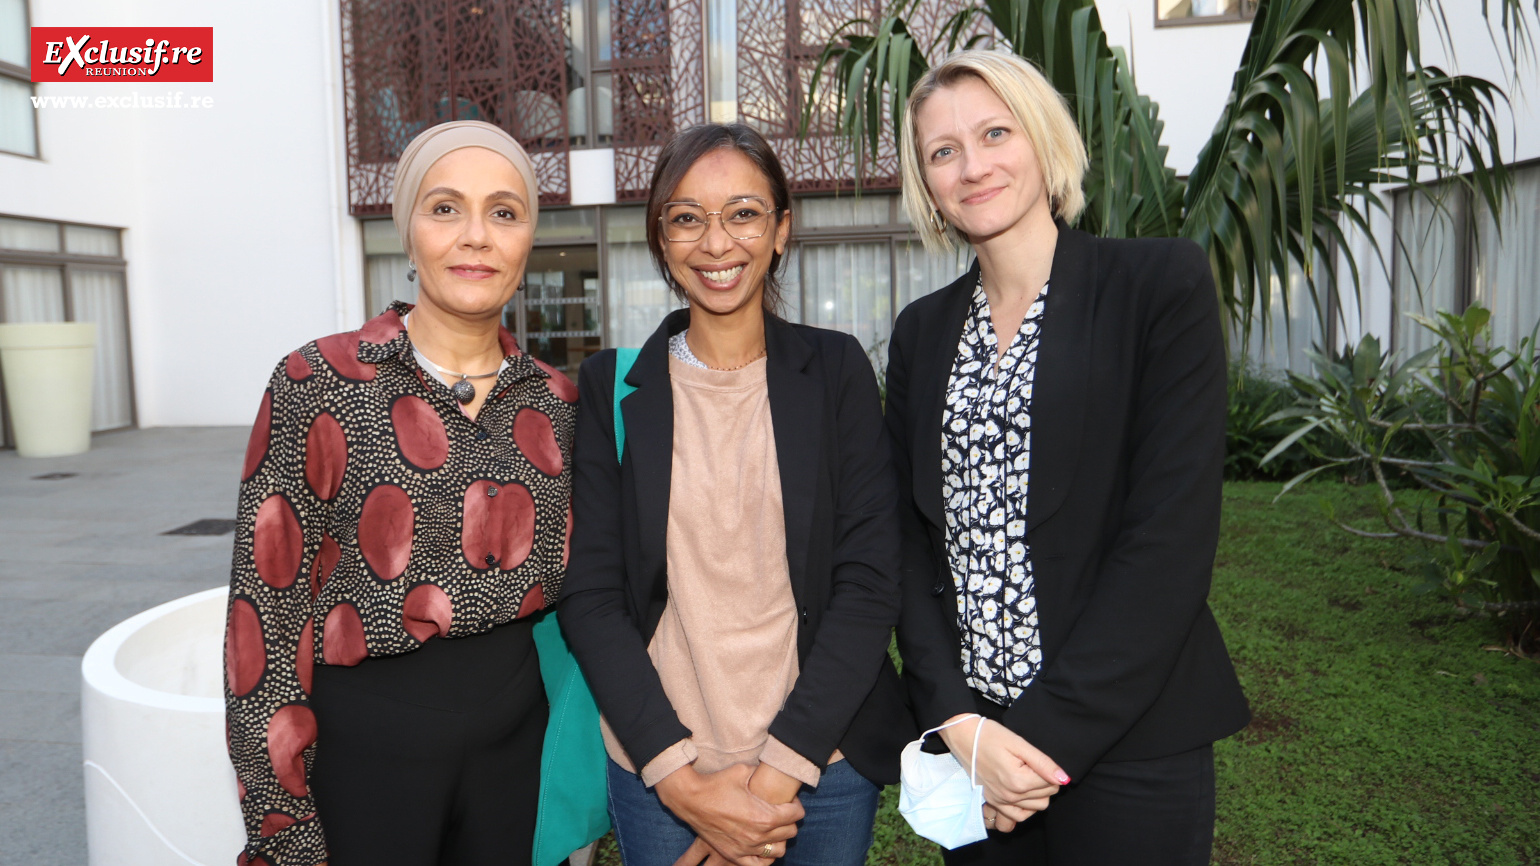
[
  {"x": 742, "y": 815},
  {"x": 1018, "y": 779}
]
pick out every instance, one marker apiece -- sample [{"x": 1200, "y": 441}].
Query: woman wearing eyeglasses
[{"x": 734, "y": 577}]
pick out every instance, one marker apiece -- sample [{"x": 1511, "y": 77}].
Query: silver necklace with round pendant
[{"x": 463, "y": 390}]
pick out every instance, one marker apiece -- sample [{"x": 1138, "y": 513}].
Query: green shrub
[
  {"x": 1460, "y": 420},
  {"x": 1251, "y": 430}
]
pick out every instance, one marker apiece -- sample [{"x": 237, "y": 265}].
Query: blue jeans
[{"x": 836, "y": 830}]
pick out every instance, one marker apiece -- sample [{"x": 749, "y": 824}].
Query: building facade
[{"x": 207, "y": 242}]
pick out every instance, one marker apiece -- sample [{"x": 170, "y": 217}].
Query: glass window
[
  {"x": 1196, "y": 11},
  {"x": 722, "y": 59},
  {"x": 385, "y": 281},
  {"x": 18, "y": 119},
  {"x": 848, "y": 287},
  {"x": 13, "y": 32},
  {"x": 576, "y": 224},
  {"x": 101, "y": 297},
  {"x": 918, "y": 273},
  {"x": 559, "y": 307},
  {"x": 30, "y": 294},
  {"x": 381, "y": 238},
  {"x": 89, "y": 241},
  {"x": 385, "y": 268},
  {"x": 602, "y": 30},
  {"x": 29, "y": 235},
  {"x": 844, "y": 211},
  {"x": 46, "y": 285},
  {"x": 638, "y": 297}
]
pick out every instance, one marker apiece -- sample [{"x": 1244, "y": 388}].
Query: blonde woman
[{"x": 1057, "y": 419}]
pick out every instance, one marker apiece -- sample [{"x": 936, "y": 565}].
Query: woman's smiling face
[
  {"x": 471, "y": 233},
  {"x": 722, "y": 274},
  {"x": 979, "y": 165}
]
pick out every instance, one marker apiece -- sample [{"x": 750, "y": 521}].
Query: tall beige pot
[{"x": 48, "y": 367}]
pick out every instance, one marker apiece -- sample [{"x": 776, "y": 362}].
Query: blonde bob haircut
[{"x": 1034, "y": 103}]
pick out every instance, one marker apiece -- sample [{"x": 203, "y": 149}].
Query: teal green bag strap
[
  {"x": 624, "y": 359},
  {"x": 574, "y": 801}
]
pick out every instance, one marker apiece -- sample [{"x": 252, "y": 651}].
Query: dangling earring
[
  {"x": 937, "y": 221},
  {"x": 411, "y": 272}
]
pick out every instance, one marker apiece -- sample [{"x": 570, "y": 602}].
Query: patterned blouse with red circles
[{"x": 375, "y": 515}]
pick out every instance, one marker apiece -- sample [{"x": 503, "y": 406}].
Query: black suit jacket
[
  {"x": 1128, "y": 416},
  {"x": 841, "y": 545}
]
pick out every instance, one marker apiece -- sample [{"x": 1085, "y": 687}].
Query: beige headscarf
[{"x": 431, "y": 145}]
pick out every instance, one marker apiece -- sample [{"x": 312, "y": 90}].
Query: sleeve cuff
[
  {"x": 667, "y": 761},
  {"x": 300, "y": 844},
  {"x": 782, "y": 757}
]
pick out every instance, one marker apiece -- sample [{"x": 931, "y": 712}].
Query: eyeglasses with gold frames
[{"x": 743, "y": 219}]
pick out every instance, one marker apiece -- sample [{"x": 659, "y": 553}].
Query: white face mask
[{"x": 939, "y": 800}]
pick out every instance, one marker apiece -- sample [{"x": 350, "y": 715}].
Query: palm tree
[{"x": 1292, "y": 160}]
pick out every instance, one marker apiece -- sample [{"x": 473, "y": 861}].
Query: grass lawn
[{"x": 1384, "y": 732}]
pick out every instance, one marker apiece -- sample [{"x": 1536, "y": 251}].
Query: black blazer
[
  {"x": 1128, "y": 416},
  {"x": 841, "y": 545}
]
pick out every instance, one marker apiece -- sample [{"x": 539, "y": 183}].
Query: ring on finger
[{"x": 768, "y": 851}]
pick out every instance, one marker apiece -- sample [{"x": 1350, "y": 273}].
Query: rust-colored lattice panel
[
  {"x": 659, "y": 66},
  {"x": 779, "y": 43},
  {"x": 409, "y": 64}
]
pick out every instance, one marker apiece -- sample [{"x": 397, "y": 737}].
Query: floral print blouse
[
  {"x": 375, "y": 515},
  {"x": 986, "y": 457}
]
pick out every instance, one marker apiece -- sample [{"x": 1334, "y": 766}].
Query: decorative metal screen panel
[
  {"x": 779, "y": 43},
  {"x": 410, "y": 64},
  {"x": 659, "y": 66}
]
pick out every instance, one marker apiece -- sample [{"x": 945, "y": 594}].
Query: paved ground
[{"x": 77, "y": 556}]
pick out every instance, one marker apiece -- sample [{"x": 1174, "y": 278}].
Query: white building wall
[{"x": 238, "y": 243}]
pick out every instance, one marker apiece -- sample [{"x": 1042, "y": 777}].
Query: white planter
[
  {"x": 48, "y": 368},
  {"x": 159, "y": 786}
]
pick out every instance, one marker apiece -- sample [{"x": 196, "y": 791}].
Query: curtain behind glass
[
  {"x": 385, "y": 281},
  {"x": 1507, "y": 278},
  {"x": 919, "y": 273},
  {"x": 1427, "y": 265},
  {"x": 89, "y": 241},
  {"x": 848, "y": 287},
  {"x": 638, "y": 299},
  {"x": 98, "y": 296},
  {"x": 845, "y": 211},
  {"x": 32, "y": 294},
  {"x": 30, "y": 235}
]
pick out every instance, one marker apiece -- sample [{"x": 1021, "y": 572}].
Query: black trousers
[
  {"x": 1155, "y": 812},
  {"x": 432, "y": 758}
]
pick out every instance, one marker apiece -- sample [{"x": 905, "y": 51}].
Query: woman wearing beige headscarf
[{"x": 403, "y": 511}]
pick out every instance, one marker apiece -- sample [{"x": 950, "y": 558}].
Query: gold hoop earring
[{"x": 937, "y": 221}]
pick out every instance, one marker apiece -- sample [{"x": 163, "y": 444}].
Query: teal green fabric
[
  {"x": 624, "y": 358},
  {"x": 573, "y": 807}
]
